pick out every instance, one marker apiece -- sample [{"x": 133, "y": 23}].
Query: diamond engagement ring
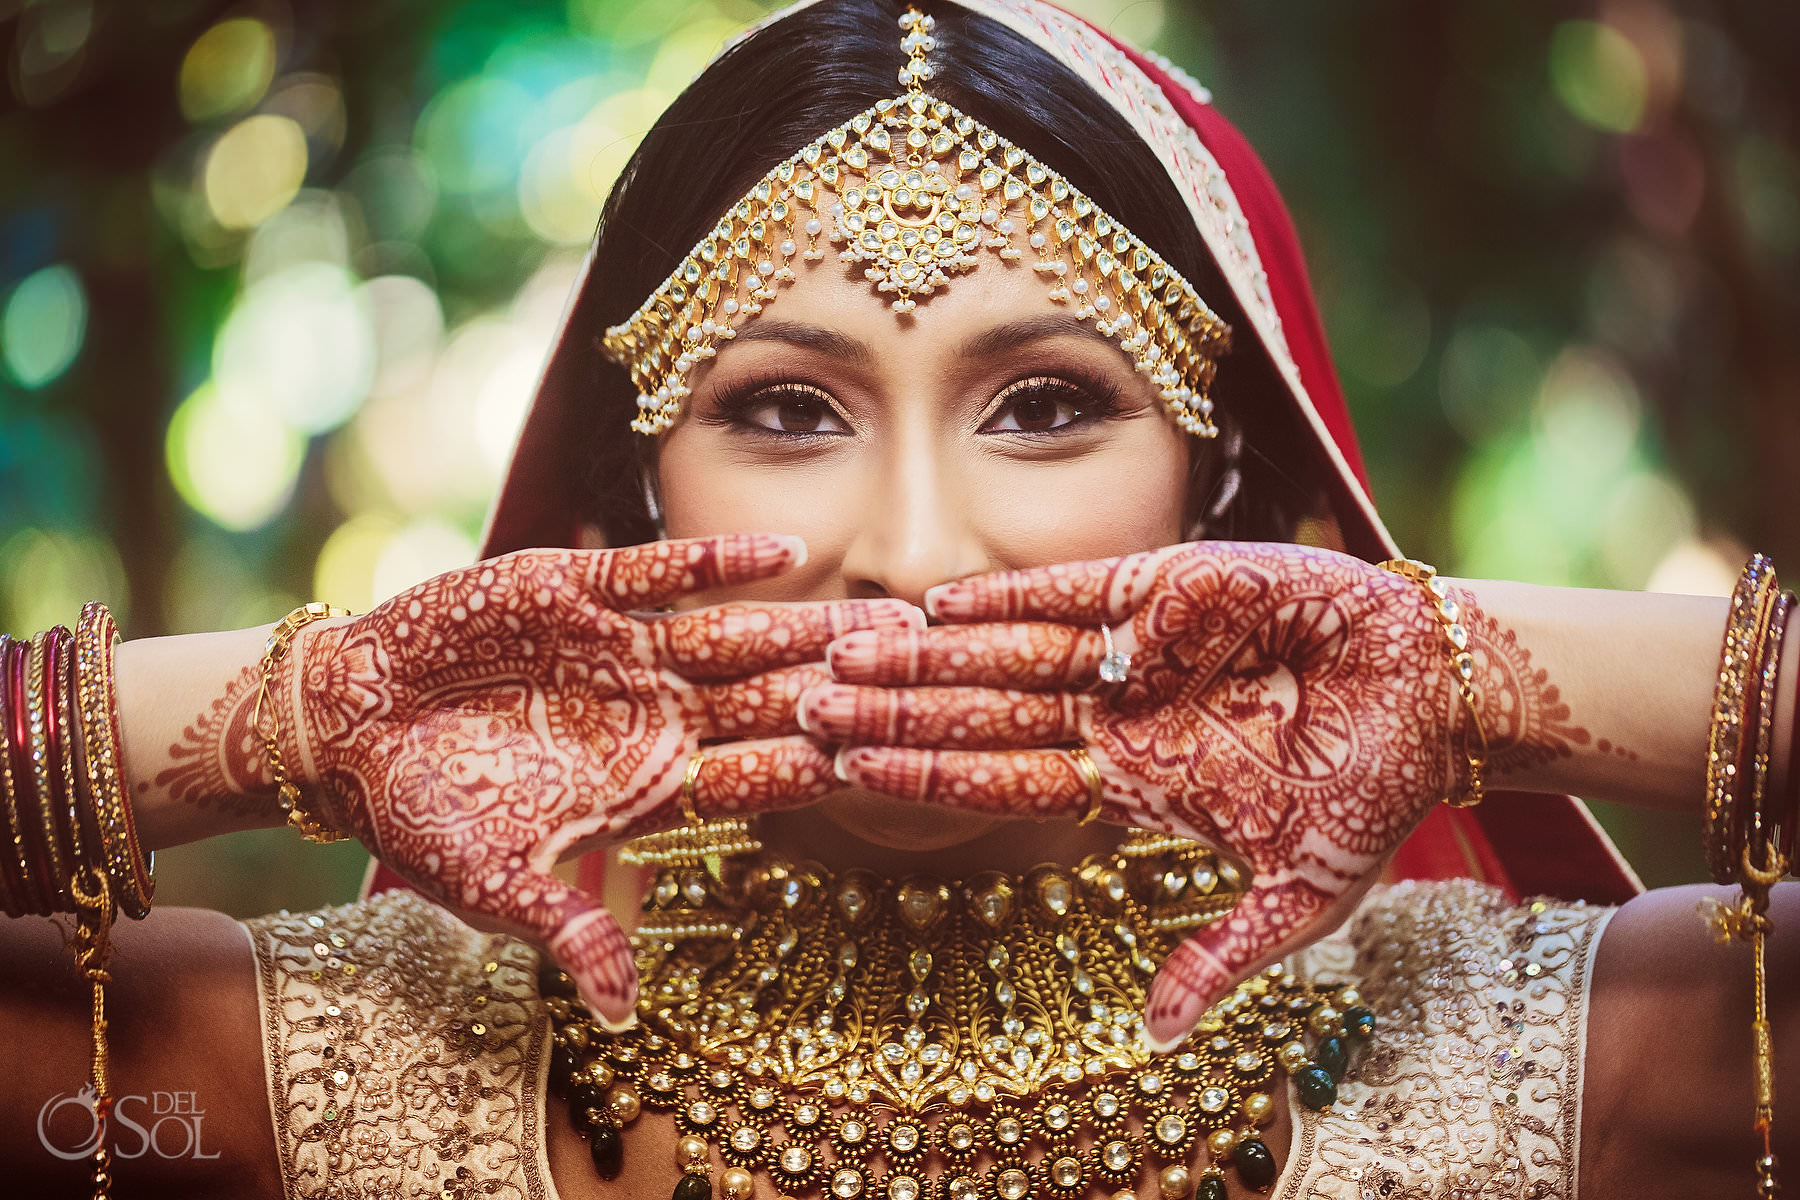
[{"x": 1115, "y": 667}]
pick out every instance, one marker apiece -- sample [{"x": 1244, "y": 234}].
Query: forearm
[
  {"x": 1605, "y": 694},
  {"x": 194, "y": 764}
]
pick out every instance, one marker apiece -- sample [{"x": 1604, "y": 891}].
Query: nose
[{"x": 915, "y": 533}]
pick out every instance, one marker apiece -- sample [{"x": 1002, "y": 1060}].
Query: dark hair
[{"x": 796, "y": 79}]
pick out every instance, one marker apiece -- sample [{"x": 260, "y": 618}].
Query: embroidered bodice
[{"x": 407, "y": 1054}]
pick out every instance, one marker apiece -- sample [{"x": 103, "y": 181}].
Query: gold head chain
[{"x": 920, "y": 188}]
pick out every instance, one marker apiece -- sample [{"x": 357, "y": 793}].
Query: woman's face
[{"x": 987, "y": 430}]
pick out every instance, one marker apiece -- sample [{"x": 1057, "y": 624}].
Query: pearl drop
[
  {"x": 1006, "y": 225},
  {"x": 787, "y": 249},
  {"x": 813, "y": 225},
  {"x": 1037, "y": 241}
]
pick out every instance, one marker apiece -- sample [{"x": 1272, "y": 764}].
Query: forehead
[{"x": 832, "y": 294}]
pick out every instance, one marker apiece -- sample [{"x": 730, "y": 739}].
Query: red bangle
[{"x": 15, "y": 897}]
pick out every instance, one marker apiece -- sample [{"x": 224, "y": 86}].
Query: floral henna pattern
[
  {"x": 480, "y": 726},
  {"x": 1288, "y": 704},
  {"x": 219, "y": 761},
  {"x": 1527, "y": 722}
]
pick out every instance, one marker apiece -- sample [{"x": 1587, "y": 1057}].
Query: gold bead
[
  {"x": 691, "y": 1152},
  {"x": 600, "y": 1073},
  {"x": 1349, "y": 997},
  {"x": 576, "y": 1036},
  {"x": 1220, "y": 1143},
  {"x": 1292, "y": 1055},
  {"x": 1259, "y": 1107},
  {"x": 736, "y": 1184},
  {"x": 1124, "y": 1194},
  {"x": 1175, "y": 1182},
  {"x": 1324, "y": 1019},
  {"x": 623, "y": 1103}
]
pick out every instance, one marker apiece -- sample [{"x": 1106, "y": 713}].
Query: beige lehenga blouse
[{"x": 407, "y": 1054}]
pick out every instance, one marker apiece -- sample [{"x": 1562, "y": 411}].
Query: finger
[
  {"x": 727, "y": 641},
  {"x": 1083, "y": 593},
  {"x": 1273, "y": 919},
  {"x": 581, "y": 935},
  {"x": 762, "y": 706},
  {"x": 942, "y": 718},
  {"x": 761, "y": 776},
  {"x": 1040, "y": 784},
  {"x": 1015, "y": 654},
  {"x": 658, "y": 572}
]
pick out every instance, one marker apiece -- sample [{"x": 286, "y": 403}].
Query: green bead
[
  {"x": 1359, "y": 1021},
  {"x": 608, "y": 1150},
  {"x": 562, "y": 1068},
  {"x": 693, "y": 1187},
  {"x": 1316, "y": 1087},
  {"x": 1331, "y": 1055},
  {"x": 1211, "y": 1188},
  {"x": 585, "y": 1096},
  {"x": 1254, "y": 1163}
]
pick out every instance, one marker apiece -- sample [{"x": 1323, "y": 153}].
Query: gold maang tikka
[{"x": 921, "y": 188}]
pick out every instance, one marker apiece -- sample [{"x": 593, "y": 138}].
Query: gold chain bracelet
[
  {"x": 267, "y": 724},
  {"x": 1462, "y": 669}
]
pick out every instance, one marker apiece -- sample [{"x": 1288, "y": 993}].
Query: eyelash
[{"x": 1097, "y": 396}]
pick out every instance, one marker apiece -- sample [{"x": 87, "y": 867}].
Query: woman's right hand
[{"x": 479, "y": 727}]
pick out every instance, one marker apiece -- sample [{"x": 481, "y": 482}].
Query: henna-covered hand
[
  {"x": 1290, "y": 705},
  {"x": 479, "y": 727}
]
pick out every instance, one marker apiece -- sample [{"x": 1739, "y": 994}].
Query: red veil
[{"x": 1527, "y": 844}]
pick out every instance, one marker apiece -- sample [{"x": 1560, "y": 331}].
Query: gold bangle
[
  {"x": 1752, "y": 603},
  {"x": 56, "y": 887},
  {"x": 1096, "y": 786},
  {"x": 1462, "y": 670},
  {"x": 1756, "y": 821},
  {"x": 688, "y": 781},
  {"x": 264, "y": 721},
  {"x": 132, "y": 872}
]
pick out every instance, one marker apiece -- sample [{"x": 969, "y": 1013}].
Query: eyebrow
[{"x": 996, "y": 340}]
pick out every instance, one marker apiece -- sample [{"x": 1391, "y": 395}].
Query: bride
[{"x": 937, "y": 564}]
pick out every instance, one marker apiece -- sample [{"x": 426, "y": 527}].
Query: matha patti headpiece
[{"x": 921, "y": 188}]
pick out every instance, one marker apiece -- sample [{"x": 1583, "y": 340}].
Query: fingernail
[
  {"x": 852, "y": 653},
  {"x": 1166, "y": 1024},
  {"x": 1159, "y": 1044},
  {"x": 838, "y": 766},
  {"x": 796, "y": 549},
  {"x": 806, "y": 709},
  {"x": 934, "y": 597},
  {"x": 615, "y": 1013}
]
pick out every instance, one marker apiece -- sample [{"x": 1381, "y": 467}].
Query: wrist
[{"x": 303, "y": 747}]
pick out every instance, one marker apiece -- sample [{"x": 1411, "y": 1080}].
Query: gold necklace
[{"x": 853, "y": 1038}]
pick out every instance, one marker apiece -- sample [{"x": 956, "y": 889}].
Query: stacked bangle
[
  {"x": 1745, "y": 830},
  {"x": 1731, "y": 746},
  {"x": 1462, "y": 670},
  {"x": 63, "y": 805}
]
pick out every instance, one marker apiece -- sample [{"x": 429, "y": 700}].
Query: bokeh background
[{"x": 276, "y": 277}]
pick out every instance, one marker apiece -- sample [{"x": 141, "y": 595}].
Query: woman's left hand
[{"x": 1288, "y": 705}]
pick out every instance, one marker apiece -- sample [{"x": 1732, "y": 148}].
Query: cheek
[
  {"x": 1124, "y": 499},
  {"x": 708, "y": 488}
]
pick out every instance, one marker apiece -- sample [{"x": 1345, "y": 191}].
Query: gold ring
[
  {"x": 1084, "y": 762},
  {"x": 687, "y": 786}
]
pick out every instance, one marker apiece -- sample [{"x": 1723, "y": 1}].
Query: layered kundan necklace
[{"x": 849, "y": 1036}]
